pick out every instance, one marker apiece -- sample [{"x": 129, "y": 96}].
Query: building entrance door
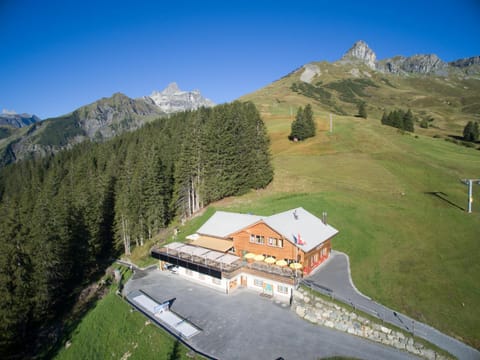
[{"x": 243, "y": 281}]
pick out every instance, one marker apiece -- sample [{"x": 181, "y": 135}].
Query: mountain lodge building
[{"x": 265, "y": 253}]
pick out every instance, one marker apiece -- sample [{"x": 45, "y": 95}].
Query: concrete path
[
  {"x": 333, "y": 278},
  {"x": 244, "y": 325}
]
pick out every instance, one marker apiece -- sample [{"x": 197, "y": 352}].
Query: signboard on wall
[{"x": 267, "y": 289}]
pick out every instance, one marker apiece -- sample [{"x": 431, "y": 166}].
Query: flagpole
[{"x": 296, "y": 259}]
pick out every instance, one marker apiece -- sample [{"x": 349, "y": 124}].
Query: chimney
[{"x": 324, "y": 217}]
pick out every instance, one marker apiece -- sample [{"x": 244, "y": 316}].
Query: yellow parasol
[
  {"x": 250, "y": 256},
  {"x": 296, "y": 266},
  {"x": 270, "y": 260},
  {"x": 259, "y": 258},
  {"x": 281, "y": 263}
]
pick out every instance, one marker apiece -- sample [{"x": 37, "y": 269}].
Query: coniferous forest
[{"x": 65, "y": 218}]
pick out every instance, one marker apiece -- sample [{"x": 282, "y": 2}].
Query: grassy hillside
[
  {"x": 396, "y": 198},
  {"x": 112, "y": 331},
  {"x": 399, "y": 205},
  {"x": 450, "y": 101}
]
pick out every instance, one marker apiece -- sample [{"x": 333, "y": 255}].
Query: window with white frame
[
  {"x": 275, "y": 242},
  {"x": 282, "y": 289},
  {"x": 258, "y": 282},
  {"x": 259, "y": 239}
]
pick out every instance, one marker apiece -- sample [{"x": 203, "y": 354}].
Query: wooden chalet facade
[{"x": 264, "y": 253}]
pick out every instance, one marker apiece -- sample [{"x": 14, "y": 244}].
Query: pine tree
[
  {"x": 397, "y": 119},
  {"x": 308, "y": 118},
  {"x": 385, "y": 119},
  {"x": 408, "y": 121},
  {"x": 362, "y": 110},
  {"x": 471, "y": 131}
]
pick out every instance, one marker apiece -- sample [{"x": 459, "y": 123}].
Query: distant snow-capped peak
[{"x": 172, "y": 99}]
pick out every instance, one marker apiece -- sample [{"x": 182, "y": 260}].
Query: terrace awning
[{"x": 213, "y": 243}]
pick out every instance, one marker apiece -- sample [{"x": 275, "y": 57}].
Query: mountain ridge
[
  {"x": 172, "y": 99},
  {"x": 8, "y": 118},
  {"x": 415, "y": 64},
  {"x": 98, "y": 121},
  {"x": 442, "y": 97}
]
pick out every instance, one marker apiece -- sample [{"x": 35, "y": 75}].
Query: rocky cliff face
[
  {"x": 470, "y": 66},
  {"x": 15, "y": 120},
  {"x": 416, "y": 64},
  {"x": 172, "y": 99},
  {"x": 108, "y": 117},
  {"x": 360, "y": 52}
]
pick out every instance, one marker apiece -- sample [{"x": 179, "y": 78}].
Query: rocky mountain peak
[
  {"x": 171, "y": 89},
  {"x": 172, "y": 99},
  {"x": 11, "y": 118},
  {"x": 361, "y": 52}
]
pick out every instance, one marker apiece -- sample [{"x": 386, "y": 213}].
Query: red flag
[{"x": 300, "y": 241}]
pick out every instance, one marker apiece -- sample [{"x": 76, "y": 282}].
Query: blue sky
[{"x": 59, "y": 55}]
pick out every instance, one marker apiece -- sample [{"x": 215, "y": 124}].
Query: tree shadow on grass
[{"x": 442, "y": 196}]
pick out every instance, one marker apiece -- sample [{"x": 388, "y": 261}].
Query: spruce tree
[
  {"x": 385, "y": 120},
  {"x": 471, "y": 132},
  {"x": 362, "y": 110},
  {"x": 408, "y": 121},
  {"x": 308, "y": 118}
]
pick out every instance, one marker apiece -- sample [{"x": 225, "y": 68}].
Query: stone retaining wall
[{"x": 322, "y": 312}]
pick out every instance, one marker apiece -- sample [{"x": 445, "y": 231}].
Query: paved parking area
[{"x": 244, "y": 325}]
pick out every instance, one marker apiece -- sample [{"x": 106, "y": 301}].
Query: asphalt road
[
  {"x": 334, "y": 277},
  {"x": 244, "y": 325}
]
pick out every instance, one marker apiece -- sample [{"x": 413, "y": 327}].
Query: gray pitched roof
[
  {"x": 310, "y": 228},
  {"x": 304, "y": 224},
  {"x": 223, "y": 223}
]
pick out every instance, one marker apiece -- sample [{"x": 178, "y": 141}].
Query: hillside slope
[
  {"x": 338, "y": 88},
  {"x": 396, "y": 198}
]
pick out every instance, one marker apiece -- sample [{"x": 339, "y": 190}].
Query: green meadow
[
  {"x": 396, "y": 199},
  {"x": 111, "y": 330},
  {"x": 399, "y": 205}
]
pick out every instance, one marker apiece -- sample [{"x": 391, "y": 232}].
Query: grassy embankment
[
  {"x": 112, "y": 331},
  {"x": 399, "y": 205}
]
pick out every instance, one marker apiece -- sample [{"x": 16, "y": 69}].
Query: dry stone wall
[{"x": 322, "y": 312}]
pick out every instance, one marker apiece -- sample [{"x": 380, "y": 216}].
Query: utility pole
[{"x": 470, "y": 182}]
